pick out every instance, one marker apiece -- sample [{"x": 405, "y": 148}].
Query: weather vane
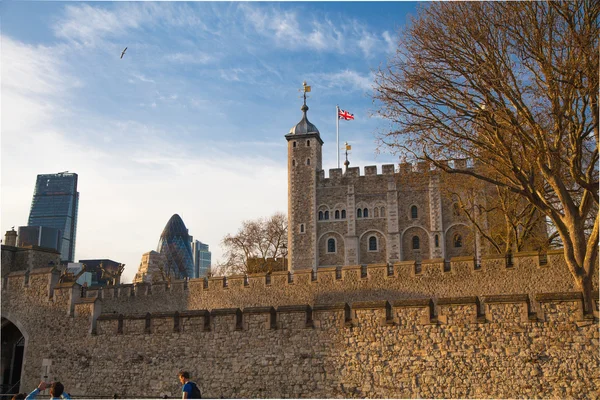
[
  {"x": 348, "y": 147},
  {"x": 305, "y": 89}
]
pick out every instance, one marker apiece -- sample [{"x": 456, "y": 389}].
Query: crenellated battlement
[
  {"x": 398, "y": 314},
  {"x": 404, "y": 170},
  {"x": 462, "y": 277},
  {"x": 336, "y": 329}
]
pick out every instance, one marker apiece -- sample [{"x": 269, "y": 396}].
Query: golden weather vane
[{"x": 305, "y": 89}]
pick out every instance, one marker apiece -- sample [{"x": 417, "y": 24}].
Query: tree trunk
[{"x": 585, "y": 284}]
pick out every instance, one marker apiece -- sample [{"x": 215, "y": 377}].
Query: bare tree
[
  {"x": 513, "y": 86},
  {"x": 506, "y": 221},
  {"x": 259, "y": 239}
]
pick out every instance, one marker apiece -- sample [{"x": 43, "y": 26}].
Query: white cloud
[
  {"x": 132, "y": 176},
  {"x": 34, "y": 70},
  {"x": 246, "y": 75},
  {"x": 295, "y": 32},
  {"x": 367, "y": 43},
  {"x": 346, "y": 80},
  {"x": 141, "y": 78},
  {"x": 391, "y": 42},
  {"x": 190, "y": 58},
  {"x": 91, "y": 25},
  {"x": 88, "y": 25}
]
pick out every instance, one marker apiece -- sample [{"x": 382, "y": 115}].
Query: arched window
[
  {"x": 414, "y": 212},
  {"x": 301, "y": 228},
  {"x": 359, "y": 213},
  {"x": 320, "y": 215},
  {"x": 456, "y": 209},
  {"x": 376, "y": 212},
  {"x": 457, "y": 240},
  {"x": 372, "y": 243},
  {"x": 308, "y": 142},
  {"x": 343, "y": 214},
  {"x": 308, "y": 161},
  {"x": 294, "y": 144},
  {"x": 293, "y": 163},
  {"x": 366, "y": 212},
  {"x": 382, "y": 212},
  {"x": 326, "y": 214},
  {"x": 337, "y": 214},
  {"x": 331, "y": 245},
  {"x": 437, "y": 241},
  {"x": 416, "y": 243}
]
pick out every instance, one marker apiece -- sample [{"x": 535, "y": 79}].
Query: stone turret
[
  {"x": 10, "y": 239},
  {"x": 304, "y": 164}
]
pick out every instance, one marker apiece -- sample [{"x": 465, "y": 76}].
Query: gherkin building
[{"x": 174, "y": 244}]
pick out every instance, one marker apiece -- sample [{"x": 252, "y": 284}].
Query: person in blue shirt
[
  {"x": 188, "y": 386},
  {"x": 57, "y": 391}
]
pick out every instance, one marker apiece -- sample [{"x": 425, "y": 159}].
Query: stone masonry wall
[
  {"x": 394, "y": 349},
  {"x": 526, "y": 276}
]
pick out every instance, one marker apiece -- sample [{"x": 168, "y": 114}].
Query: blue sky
[{"x": 192, "y": 119}]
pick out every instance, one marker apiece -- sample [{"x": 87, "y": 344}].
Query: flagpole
[{"x": 337, "y": 133}]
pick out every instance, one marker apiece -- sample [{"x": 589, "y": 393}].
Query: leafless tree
[
  {"x": 513, "y": 86},
  {"x": 506, "y": 221},
  {"x": 260, "y": 239}
]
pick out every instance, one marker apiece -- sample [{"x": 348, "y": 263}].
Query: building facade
[
  {"x": 152, "y": 268},
  {"x": 42, "y": 236},
  {"x": 349, "y": 218},
  {"x": 201, "y": 257},
  {"x": 55, "y": 205},
  {"x": 174, "y": 244}
]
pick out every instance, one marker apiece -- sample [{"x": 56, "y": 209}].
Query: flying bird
[{"x": 123, "y": 52}]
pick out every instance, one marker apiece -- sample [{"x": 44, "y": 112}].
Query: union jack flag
[{"x": 343, "y": 114}]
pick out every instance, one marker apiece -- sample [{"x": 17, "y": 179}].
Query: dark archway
[{"x": 12, "y": 351}]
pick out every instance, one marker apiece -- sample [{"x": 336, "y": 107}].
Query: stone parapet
[
  {"x": 403, "y": 280},
  {"x": 513, "y": 309}
]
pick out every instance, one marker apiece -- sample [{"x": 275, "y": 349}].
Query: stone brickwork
[
  {"x": 27, "y": 258},
  {"x": 399, "y": 207},
  {"x": 151, "y": 268},
  {"x": 487, "y": 346},
  {"x": 403, "y": 280},
  {"x": 388, "y": 199},
  {"x": 304, "y": 157}
]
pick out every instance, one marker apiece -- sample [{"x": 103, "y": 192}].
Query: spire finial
[
  {"x": 305, "y": 89},
  {"x": 347, "y": 163}
]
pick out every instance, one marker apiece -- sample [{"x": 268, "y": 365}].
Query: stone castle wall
[
  {"x": 388, "y": 199},
  {"x": 23, "y": 258},
  {"x": 459, "y": 347},
  {"x": 353, "y": 283}
]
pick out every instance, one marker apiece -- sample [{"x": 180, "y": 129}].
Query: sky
[{"x": 192, "y": 119}]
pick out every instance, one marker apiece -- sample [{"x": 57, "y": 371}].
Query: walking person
[
  {"x": 57, "y": 391},
  {"x": 189, "y": 390}
]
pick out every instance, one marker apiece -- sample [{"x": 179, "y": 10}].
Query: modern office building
[
  {"x": 42, "y": 236},
  {"x": 201, "y": 257},
  {"x": 174, "y": 244},
  {"x": 54, "y": 205}
]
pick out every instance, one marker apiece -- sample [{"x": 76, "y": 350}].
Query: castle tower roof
[{"x": 304, "y": 126}]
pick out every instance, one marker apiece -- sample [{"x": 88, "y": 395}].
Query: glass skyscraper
[
  {"x": 202, "y": 258},
  {"x": 174, "y": 244},
  {"x": 55, "y": 204}
]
